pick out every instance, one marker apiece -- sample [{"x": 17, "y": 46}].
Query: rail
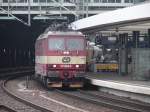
[
  {"x": 20, "y": 74},
  {"x": 113, "y": 103},
  {"x": 5, "y": 108}
]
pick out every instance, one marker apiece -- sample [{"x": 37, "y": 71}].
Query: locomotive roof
[{"x": 73, "y": 33}]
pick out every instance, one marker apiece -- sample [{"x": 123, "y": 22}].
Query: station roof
[{"x": 127, "y": 19}]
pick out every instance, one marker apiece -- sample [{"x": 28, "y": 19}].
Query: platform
[{"x": 122, "y": 85}]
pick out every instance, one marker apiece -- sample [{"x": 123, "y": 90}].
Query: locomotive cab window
[
  {"x": 75, "y": 44},
  {"x": 56, "y": 44}
]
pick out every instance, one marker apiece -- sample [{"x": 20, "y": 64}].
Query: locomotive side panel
[{"x": 40, "y": 57}]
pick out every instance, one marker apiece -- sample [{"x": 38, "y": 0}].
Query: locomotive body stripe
[{"x": 58, "y": 59}]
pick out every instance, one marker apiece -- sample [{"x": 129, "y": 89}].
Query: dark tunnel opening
[
  {"x": 17, "y": 43},
  {"x": 17, "y": 40}
]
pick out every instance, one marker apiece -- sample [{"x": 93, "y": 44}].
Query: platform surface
[{"x": 116, "y": 81}]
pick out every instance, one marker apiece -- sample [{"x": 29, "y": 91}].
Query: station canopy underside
[{"x": 126, "y": 20}]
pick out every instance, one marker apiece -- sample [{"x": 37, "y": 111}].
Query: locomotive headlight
[
  {"x": 66, "y": 52},
  {"x": 54, "y": 66},
  {"x": 77, "y": 66}
]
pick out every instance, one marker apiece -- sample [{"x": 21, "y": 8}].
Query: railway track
[
  {"x": 42, "y": 98},
  {"x": 18, "y": 104},
  {"x": 93, "y": 97},
  {"x": 108, "y": 101},
  {"x": 4, "y": 108},
  {"x": 51, "y": 99}
]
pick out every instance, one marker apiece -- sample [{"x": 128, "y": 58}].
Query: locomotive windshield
[
  {"x": 56, "y": 44},
  {"x": 75, "y": 44},
  {"x": 62, "y": 44}
]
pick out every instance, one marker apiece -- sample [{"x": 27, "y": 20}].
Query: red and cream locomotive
[{"x": 60, "y": 58}]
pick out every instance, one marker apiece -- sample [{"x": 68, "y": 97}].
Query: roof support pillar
[
  {"x": 136, "y": 35},
  {"x": 122, "y": 1},
  {"x": 123, "y": 54},
  {"x": 135, "y": 53},
  {"x": 149, "y": 38}
]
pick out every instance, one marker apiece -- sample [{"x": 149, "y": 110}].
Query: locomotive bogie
[{"x": 65, "y": 78}]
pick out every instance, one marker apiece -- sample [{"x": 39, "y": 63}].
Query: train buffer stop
[{"x": 119, "y": 50}]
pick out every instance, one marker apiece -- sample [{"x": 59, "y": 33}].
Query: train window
[
  {"x": 75, "y": 44},
  {"x": 56, "y": 44}
]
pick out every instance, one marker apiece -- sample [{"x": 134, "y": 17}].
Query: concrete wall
[{"x": 141, "y": 63}]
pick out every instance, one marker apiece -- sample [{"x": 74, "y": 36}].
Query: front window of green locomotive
[
  {"x": 75, "y": 44},
  {"x": 56, "y": 44}
]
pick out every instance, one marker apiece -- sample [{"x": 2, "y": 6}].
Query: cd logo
[{"x": 66, "y": 59}]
